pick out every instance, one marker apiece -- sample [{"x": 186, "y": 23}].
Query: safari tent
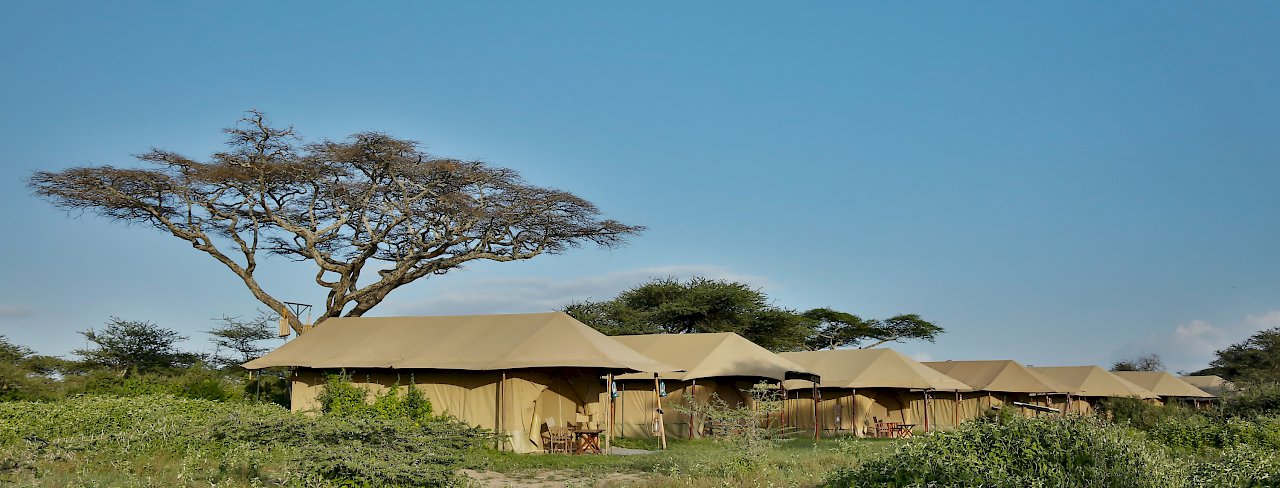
[
  {"x": 999, "y": 383},
  {"x": 1166, "y": 385},
  {"x": 724, "y": 364},
  {"x": 1091, "y": 383},
  {"x": 859, "y": 385},
  {"x": 1212, "y": 384},
  {"x": 511, "y": 373}
]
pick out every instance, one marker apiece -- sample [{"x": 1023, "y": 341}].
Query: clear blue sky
[{"x": 1053, "y": 184}]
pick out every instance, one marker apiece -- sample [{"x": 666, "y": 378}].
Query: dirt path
[{"x": 547, "y": 478}]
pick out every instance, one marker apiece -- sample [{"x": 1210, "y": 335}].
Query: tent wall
[
  {"x": 635, "y": 405},
  {"x": 531, "y": 397},
  {"x": 856, "y": 411}
]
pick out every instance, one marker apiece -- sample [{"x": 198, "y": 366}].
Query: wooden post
[
  {"x": 959, "y": 398},
  {"x": 839, "y": 415},
  {"x": 817, "y": 422},
  {"x": 499, "y": 417},
  {"x": 608, "y": 393},
  {"x": 782, "y": 413},
  {"x": 926, "y": 411},
  {"x": 661, "y": 418},
  {"x": 693, "y": 394}
]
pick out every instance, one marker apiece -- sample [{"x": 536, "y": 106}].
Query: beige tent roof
[
  {"x": 1163, "y": 384},
  {"x": 1004, "y": 375},
  {"x": 470, "y": 342},
  {"x": 711, "y": 355},
  {"x": 873, "y": 368},
  {"x": 1093, "y": 381},
  {"x": 1211, "y": 384}
]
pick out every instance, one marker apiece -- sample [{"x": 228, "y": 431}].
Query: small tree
[
  {"x": 130, "y": 347},
  {"x": 1256, "y": 359},
  {"x": 747, "y": 428},
  {"x": 241, "y": 337},
  {"x": 1145, "y": 362}
]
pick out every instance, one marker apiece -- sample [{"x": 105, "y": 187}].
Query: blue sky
[{"x": 1053, "y": 184}]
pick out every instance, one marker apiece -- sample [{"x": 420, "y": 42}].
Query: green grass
[{"x": 704, "y": 462}]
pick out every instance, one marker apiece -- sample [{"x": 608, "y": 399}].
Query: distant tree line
[
  {"x": 671, "y": 306},
  {"x": 128, "y": 357}
]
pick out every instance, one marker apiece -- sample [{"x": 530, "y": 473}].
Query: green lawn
[{"x": 795, "y": 462}]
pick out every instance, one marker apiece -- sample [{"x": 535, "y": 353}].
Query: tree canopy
[
  {"x": 240, "y": 338},
  {"x": 371, "y": 201},
  {"x": 130, "y": 347},
  {"x": 703, "y": 305},
  {"x": 1256, "y": 359},
  {"x": 1145, "y": 362}
]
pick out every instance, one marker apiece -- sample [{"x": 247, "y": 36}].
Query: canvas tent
[
  {"x": 1164, "y": 384},
  {"x": 1091, "y": 383},
  {"x": 1001, "y": 382},
  {"x": 724, "y": 364},
  {"x": 859, "y": 385},
  {"x": 512, "y": 373},
  {"x": 1212, "y": 384}
]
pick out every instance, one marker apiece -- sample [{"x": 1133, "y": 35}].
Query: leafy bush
[
  {"x": 339, "y": 397},
  {"x": 1253, "y": 399},
  {"x": 229, "y": 441},
  {"x": 1242, "y": 465},
  {"x": 1018, "y": 452}
]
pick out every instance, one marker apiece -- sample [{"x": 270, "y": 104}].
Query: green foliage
[
  {"x": 1145, "y": 362},
  {"x": 1257, "y": 359},
  {"x": 703, "y": 305},
  {"x": 1139, "y": 413},
  {"x": 240, "y": 337},
  {"x": 1253, "y": 399},
  {"x": 197, "y": 382},
  {"x": 1019, "y": 452},
  {"x": 222, "y": 442},
  {"x": 339, "y": 397},
  {"x": 131, "y": 347},
  {"x": 1241, "y": 465},
  {"x": 746, "y": 428}
]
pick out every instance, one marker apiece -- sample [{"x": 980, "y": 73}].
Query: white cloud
[
  {"x": 1191, "y": 346},
  {"x": 922, "y": 357},
  {"x": 11, "y": 311},
  {"x": 517, "y": 295}
]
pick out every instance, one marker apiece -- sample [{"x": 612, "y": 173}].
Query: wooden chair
[
  {"x": 558, "y": 439},
  {"x": 884, "y": 429}
]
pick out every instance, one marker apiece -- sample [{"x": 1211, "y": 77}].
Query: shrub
[
  {"x": 1018, "y": 452},
  {"x": 230, "y": 440},
  {"x": 1252, "y": 400},
  {"x": 339, "y": 397}
]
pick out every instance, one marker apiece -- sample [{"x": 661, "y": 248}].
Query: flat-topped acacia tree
[{"x": 370, "y": 202}]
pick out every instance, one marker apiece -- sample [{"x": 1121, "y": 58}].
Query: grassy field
[{"x": 698, "y": 463}]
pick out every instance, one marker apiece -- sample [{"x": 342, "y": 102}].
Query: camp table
[
  {"x": 588, "y": 441},
  {"x": 902, "y": 431}
]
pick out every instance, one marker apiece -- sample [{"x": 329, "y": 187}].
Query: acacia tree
[
  {"x": 834, "y": 329},
  {"x": 1145, "y": 362},
  {"x": 241, "y": 336},
  {"x": 368, "y": 202}
]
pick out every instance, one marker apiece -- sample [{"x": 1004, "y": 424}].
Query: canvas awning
[
  {"x": 711, "y": 355},
  {"x": 1211, "y": 384},
  {"x": 1000, "y": 376},
  {"x": 1163, "y": 384},
  {"x": 873, "y": 368},
  {"x": 1093, "y": 381},
  {"x": 465, "y": 342}
]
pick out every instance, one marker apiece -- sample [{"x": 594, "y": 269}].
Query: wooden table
[
  {"x": 587, "y": 441},
  {"x": 902, "y": 431}
]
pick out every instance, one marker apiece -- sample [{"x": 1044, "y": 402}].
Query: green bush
[
  {"x": 339, "y": 397},
  {"x": 227, "y": 441},
  {"x": 1018, "y": 452},
  {"x": 1253, "y": 399},
  {"x": 1242, "y": 466}
]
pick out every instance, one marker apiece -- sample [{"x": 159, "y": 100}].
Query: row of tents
[{"x": 523, "y": 374}]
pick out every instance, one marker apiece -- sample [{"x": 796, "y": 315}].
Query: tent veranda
[
  {"x": 722, "y": 364},
  {"x": 512, "y": 373},
  {"x": 860, "y": 385}
]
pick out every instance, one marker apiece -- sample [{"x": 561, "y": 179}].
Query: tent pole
[
  {"x": 959, "y": 398},
  {"x": 817, "y": 422},
  {"x": 782, "y": 413},
  {"x": 608, "y": 393},
  {"x": 926, "y": 411},
  {"x": 693, "y": 393},
  {"x": 497, "y": 418},
  {"x": 661, "y": 418},
  {"x": 839, "y": 414}
]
